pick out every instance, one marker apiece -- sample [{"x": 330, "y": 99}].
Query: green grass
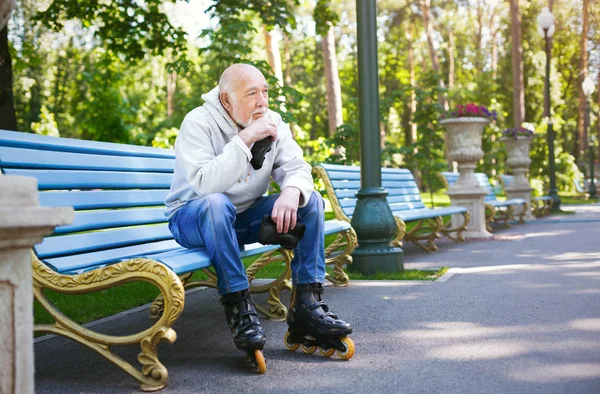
[
  {"x": 440, "y": 199},
  {"x": 561, "y": 212},
  {"x": 404, "y": 275},
  {"x": 575, "y": 198}
]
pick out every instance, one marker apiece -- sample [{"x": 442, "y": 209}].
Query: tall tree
[
  {"x": 8, "y": 118},
  {"x": 325, "y": 19},
  {"x": 517, "y": 64},
  {"x": 435, "y": 63},
  {"x": 272, "y": 39},
  {"x": 581, "y": 136}
]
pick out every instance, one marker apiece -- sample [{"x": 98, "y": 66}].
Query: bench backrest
[
  {"x": 484, "y": 182},
  {"x": 403, "y": 190},
  {"x": 117, "y": 191}
]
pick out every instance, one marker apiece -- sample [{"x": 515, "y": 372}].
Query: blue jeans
[{"x": 211, "y": 222}]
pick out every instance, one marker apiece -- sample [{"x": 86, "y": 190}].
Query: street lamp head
[
  {"x": 588, "y": 87},
  {"x": 545, "y": 22}
]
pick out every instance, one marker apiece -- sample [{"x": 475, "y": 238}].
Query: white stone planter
[
  {"x": 518, "y": 161},
  {"x": 463, "y": 138}
]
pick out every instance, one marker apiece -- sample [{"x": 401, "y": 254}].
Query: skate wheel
[
  {"x": 290, "y": 346},
  {"x": 349, "y": 349},
  {"x": 309, "y": 349},
  {"x": 326, "y": 352},
  {"x": 260, "y": 361}
]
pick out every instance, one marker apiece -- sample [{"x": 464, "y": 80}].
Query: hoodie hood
[{"x": 219, "y": 113}]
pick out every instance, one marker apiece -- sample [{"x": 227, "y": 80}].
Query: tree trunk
[
  {"x": 410, "y": 136},
  {"x": 334, "y": 91},
  {"x": 451, "y": 58},
  {"x": 598, "y": 120},
  {"x": 288, "y": 61},
  {"x": 273, "y": 55},
  {"x": 517, "y": 65},
  {"x": 425, "y": 10},
  {"x": 479, "y": 61},
  {"x": 171, "y": 89},
  {"x": 8, "y": 118},
  {"x": 581, "y": 137}
]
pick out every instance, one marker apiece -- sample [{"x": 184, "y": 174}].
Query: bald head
[
  {"x": 243, "y": 91},
  {"x": 236, "y": 74}
]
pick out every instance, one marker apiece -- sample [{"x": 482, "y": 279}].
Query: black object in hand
[
  {"x": 259, "y": 150},
  {"x": 268, "y": 234}
]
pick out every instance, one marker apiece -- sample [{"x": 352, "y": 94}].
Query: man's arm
[
  {"x": 289, "y": 168},
  {"x": 293, "y": 175}
]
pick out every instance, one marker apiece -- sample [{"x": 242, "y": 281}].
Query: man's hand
[
  {"x": 260, "y": 129},
  {"x": 285, "y": 210}
]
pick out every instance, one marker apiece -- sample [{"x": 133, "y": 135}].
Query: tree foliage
[{"x": 99, "y": 69}]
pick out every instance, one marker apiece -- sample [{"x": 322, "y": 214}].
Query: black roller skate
[
  {"x": 312, "y": 325},
  {"x": 245, "y": 327}
]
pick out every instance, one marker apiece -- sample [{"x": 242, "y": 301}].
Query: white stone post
[
  {"x": 23, "y": 223},
  {"x": 463, "y": 136},
  {"x": 518, "y": 161}
]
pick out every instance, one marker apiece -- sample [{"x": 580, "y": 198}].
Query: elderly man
[{"x": 217, "y": 202}]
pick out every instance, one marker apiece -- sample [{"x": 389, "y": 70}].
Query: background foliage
[{"x": 125, "y": 71}]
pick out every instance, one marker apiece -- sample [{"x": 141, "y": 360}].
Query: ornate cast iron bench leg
[
  {"x": 490, "y": 212},
  {"x": 153, "y": 375},
  {"x": 337, "y": 258},
  {"x": 447, "y": 229},
  {"x": 523, "y": 212},
  {"x": 425, "y": 230},
  {"x": 400, "y": 232}
]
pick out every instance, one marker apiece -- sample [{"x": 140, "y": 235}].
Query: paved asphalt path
[{"x": 516, "y": 314}]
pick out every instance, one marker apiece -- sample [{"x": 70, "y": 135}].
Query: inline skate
[
  {"x": 245, "y": 327},
  {"x": 311, "y": 325}
]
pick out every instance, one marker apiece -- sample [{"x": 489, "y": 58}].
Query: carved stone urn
[
  {"x": 463, "y": 139},
  {"x": 518, "y": 161}
]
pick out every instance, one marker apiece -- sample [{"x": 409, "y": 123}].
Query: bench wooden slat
[
  {"x": 85, "y": 199},
  {"x": 351, "y": 202},
  {"x": 89, "y": 242},
  {"x": 58, "y": 179},
  {"x": 424, "y": 213},
  {"x": 41, "y": 142},
  {"x": 84, "y": 261},
  {"x": 351, "y": 193},
  {"x": 385, "y": 184},
  {"x": 35, "y": 158},
  {"x": 355, "y": 176},
  {"x": 406, "y": 206},
  {"x": 102, "y": 219},
  {"x": 345, "y": 168}
]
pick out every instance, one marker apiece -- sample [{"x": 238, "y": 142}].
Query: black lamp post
[
  {"x": 372, "y": 220},
  {"x": 588, "y": 89},
  {"x": 546, "y": 29}
]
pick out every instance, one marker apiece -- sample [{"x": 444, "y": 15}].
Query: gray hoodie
[{"x": 210, "y": 158}]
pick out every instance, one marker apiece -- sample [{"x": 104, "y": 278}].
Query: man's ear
[{"x": 225, "y": 101}]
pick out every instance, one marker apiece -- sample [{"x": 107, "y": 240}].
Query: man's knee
[
  {"x": 316, "y": 202},
  {"x": 220, "y": 205}
]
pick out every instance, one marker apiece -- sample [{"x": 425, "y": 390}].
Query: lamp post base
[
  {"x": 371, "y": 260},
  {"x": 555, "y": 200},
  {"x": 375, "y": 228}
]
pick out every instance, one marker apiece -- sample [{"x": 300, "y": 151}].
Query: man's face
[{"x": 250, "y": 98}]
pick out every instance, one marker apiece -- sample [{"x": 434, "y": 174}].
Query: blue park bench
[
  {"x": 120, "y": 235},
  {"x": 499, "y": 212},
  {"x": 541, "y": 205},
  {"x": 343, "y": 182}
]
